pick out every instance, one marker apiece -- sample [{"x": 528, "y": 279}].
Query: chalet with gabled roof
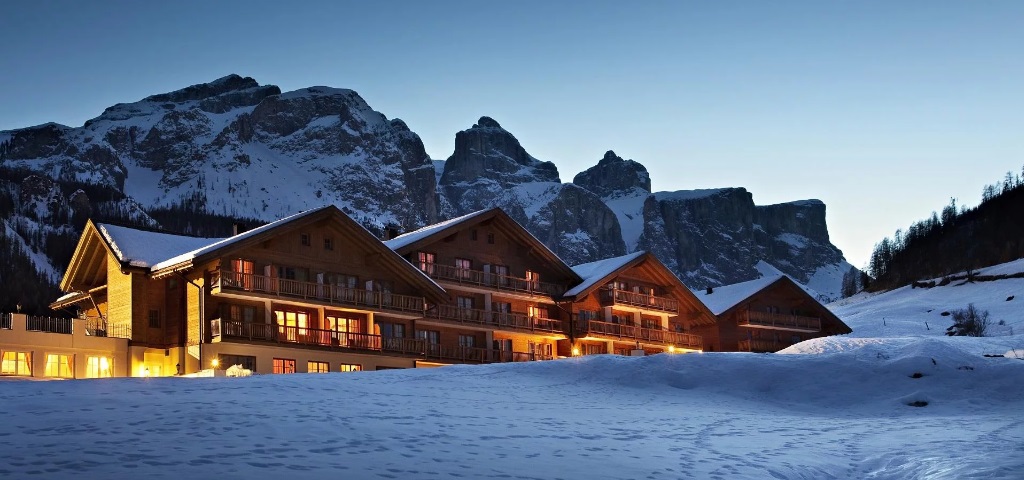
[{"x": 765, "y": 315}]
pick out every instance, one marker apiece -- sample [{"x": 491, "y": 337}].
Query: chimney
[
  {"x": 390, "y": 231},
  {"x": 237, "y": 228},
  {"x": 711, "y": 290}
]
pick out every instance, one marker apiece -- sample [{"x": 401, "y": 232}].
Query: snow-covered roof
[
  {"x": 417, "y": 235},
  {"x": 144, "y": 249},
  {"x": 727, "y": 296},
  {"x": 214, "y": 244},
  {"x": 593, "y": 272}
]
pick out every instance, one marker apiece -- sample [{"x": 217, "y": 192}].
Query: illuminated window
[
  {"x": 59, "y": 366},
  {"x": 97, "y": 367},
  {"x": 425, "y": 261},
  {"x": 242, "y": 271},
  {"x": 284, "y": 365},
  {"x": 533, "y": 312},
  {"x": 291, "y": 325},
  {"x": 317, "y": 367},
  {"x": 16, "y": 363},
  {"x": 350, "y": 367},
  {"x": 533, "y": 278},
  {"x": 593, "y": 349}
]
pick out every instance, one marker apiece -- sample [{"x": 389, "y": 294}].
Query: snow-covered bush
[
  {"x": 969, "y": 322},
  {"x": 237, "y": 371}
]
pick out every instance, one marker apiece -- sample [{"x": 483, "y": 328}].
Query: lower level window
[
  {"x": 59, "y": 366},
  {"x": 593, "y": 349},
  {"x": 246, "y": 361},
  {"x": 16, "y": 363},
  {"x": 317, "y": 367},
  {"x": 350, "y": 367},
  {"x": 284, "y": 365},
  {"x": 97, "y": 367}
]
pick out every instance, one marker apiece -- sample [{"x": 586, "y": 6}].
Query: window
[
  {"x": 59, "y": 366},
  {"x": 247, "y": 362},
  {"x": 501, "y": 271},
  {"x": 502, "y": 307},
  {"x": 472, "y": 234},
  {"x": 154, "y": 319},
  {"x": 16, "y": 363},
  {"x": 343, "y": 280},
  {"x": 243, "y": 270},
  {"x": 490, "y": 238},
  {"x": 432, "y": 337},
  {"x": 618, "y": 285},
  {"x": 317, "y": 367},
  {"x": 464, "y": 302},
  {"x": 304, "y": 239},
  {"x": 593, "y": 349},
  {"x": 464, "y": 266},
  {"x": 533, "y": 312},
  {"x": 284, "y": 365},
  {"x": 392, "y": 330},
  {"x": 425, "y": 262},
  {"x": 328, "y": 243},
  {"x": 467, "y": 341},
  {"x": 587, "y": 315},
  {"x": 240, "y": 313},
  {"x": 97, "y": 367},
  {"x": 350, "y": 367},
  {"x": 504, "y": 345},
  {"x": 344, "y": 331},
  {"x": 542, "y": 349},
  {"x": 291, "y": 325},
  {"x": 533, "y": 279}
]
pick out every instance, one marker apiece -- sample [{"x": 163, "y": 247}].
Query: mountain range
[{"x": 197, "y": 159}]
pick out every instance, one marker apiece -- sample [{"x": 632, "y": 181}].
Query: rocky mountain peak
[
  {"x": 615, "y": 177},
  {"x": 486, "y": 122},
  {"x": 486, "y": 162},
  {"x": 199, "y": 91}
]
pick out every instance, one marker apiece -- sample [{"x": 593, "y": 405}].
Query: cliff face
[{"x": 195, "y": 159}]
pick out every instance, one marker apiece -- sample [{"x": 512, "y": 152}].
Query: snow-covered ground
[{"x": 829, "y": 408}]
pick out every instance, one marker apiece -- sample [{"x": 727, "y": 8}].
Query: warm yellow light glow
[
  {"x": 671, "y": 349},
  {"x": 104, "y": 363},
  {"x": 215, "y": 363},
  {"x": 145, "y": 371},
  {"x": 575, "y": 351}
]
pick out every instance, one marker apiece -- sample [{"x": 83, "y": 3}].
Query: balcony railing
[
  {"x": 780, "y": 321},
  {"x": 613, "y": 296},
  {"x": 48, "y": 324},
  {"x": 634, "y": 332},
  {"x": 333, "y": 294},
  {"x": 761, "y": 346},
  {"x": 363, "y": 341},
  {"x": 490, "y": 280},
  {"x": 516, "y": 321},
  {"x": 100, "y": 328}
]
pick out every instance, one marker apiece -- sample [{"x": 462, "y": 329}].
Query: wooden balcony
[
  {"x": 315, "y": 337},
  {"x": 779, "y": 321},
  {"x": 317, "y": 292},
  {"x": 613, "y": 297},
  {"x": 630, "y": 332},
  {"x": 761, "y": 346},
  {"x": 477, "y": 278},
  {"x": 496, "y": 320}
]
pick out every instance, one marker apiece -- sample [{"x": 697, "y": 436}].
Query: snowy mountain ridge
[{"x": 237, "y": 149}]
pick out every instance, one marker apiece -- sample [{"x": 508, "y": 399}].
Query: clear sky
[{"x": 883, "y": 110}]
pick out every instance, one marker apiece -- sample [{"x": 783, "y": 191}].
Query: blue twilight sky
[{"x": 884, "y": 110}]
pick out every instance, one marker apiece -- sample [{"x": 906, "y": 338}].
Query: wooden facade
[
  {"x": 633, "y": 303},
  {"x": 769, "y": 318},
  {"x": 317, "y": 292}
]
